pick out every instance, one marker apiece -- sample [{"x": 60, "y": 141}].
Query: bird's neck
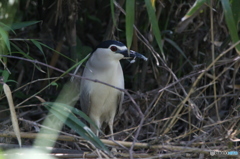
[{"x": 100, "y": 63}]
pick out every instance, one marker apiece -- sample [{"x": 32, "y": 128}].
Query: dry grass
[{"x": 185, "y": 106}]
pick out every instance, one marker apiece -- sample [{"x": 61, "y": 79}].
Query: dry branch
[{"x": 112, "y": 143}]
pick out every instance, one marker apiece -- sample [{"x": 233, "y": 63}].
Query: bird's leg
[
  {"x": 96, "y": 132},
  {"x": 93, "y": 128},
  {"x": 110, "y": 124},
  {"x": 111, "y": 129}
]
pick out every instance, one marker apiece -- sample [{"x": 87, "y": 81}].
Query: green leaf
[
  {"x": 232, "y": 27},
  {"x": 18, "y": 25},
  {"x": 23, "y": 24},
  {"x": 112, "y": 12},
  {"x": 65, "y": 115},
  {"x": 54, "y": 84},
  {"x": 13, "y": 81},
  {"x": 5, "y": 75},
  {"x": 4, "y": 38},
  {"x": 197, "y": 5},
  {"x": 130, "y": 10},
  {"x": 57, "y": 52},
  {"x": 6, "y": 27},
  {"x": 178, "y": 48},
  {"x": 191, "y": 14},
  {"x": 154, "y": 22},
  {"x": 82, "y": 50},
  {"x": 20, "y": 51},
  {"x": 37, "y": 44},
  {"x": 236, "y": 11},
  {"x": 77, "y": 112},
  {"x": 94, "y": 18}
]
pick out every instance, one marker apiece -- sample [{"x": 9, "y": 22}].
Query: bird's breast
[
  {"x": 111, "y": 73},
  {"x": 104, "y": 98}
]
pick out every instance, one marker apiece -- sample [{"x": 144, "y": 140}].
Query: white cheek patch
[{"x": 122, "y": 47}]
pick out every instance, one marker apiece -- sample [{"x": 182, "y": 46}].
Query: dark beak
[{"x": 132, "y": 54}]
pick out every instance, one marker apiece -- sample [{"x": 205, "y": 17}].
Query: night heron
[{"x": 97, "y": 100}]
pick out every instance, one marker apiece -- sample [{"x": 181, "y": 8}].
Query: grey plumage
[{"x": 97, "y": 100}]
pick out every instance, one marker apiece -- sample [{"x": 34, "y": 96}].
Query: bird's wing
[
  {"x": 120, "y": 101},
  {"x": 85, "y": 100}
]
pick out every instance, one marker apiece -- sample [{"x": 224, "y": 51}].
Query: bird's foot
[{"x": 114, "y": 150}]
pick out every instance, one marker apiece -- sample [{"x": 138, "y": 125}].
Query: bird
[{"x": 101, "y": 102}]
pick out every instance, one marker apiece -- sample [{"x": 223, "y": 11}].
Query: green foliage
[
  {"x": 178, "y": 49},
  {"x": 54, "y": 84},
  {"x": 231, "y": 13},
  {"x": 112, "y": 13},
  {"x": 235, "y": 10},
  {"x": 18, "y": 25},
  {"x": 155, "y": 26},
  {"x": 195, "y": 8},
  {"x": 231, "y": 22},
  {"x": 38, "y": 45},
  {"x": 2, "y": 154},
  {"x": 82, "y": 50},
  {"x": 5, "y": 39},
  {"x": 130, "y": 14},
  {"x": 5, "y": 75},
  {"x": 66, "y": 114}
]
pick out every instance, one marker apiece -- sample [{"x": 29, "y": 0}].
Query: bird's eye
[{"x": 114, "y": 48}]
